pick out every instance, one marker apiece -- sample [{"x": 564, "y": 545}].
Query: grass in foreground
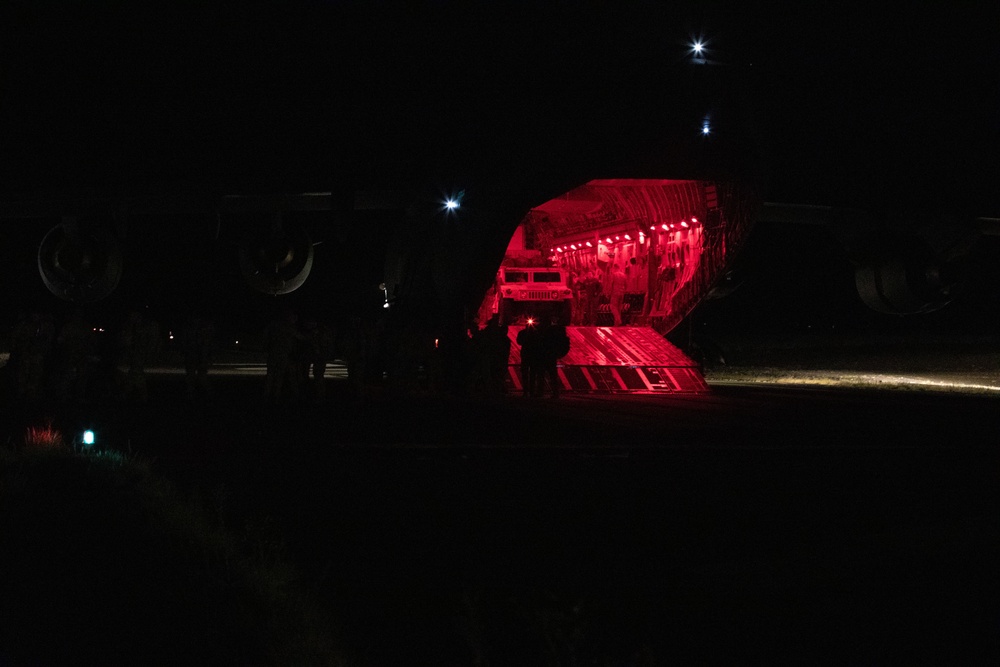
[{"x": 104, "y": 562}]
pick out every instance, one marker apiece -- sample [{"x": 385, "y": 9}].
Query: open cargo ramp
[{"x": 617, "y": 360}]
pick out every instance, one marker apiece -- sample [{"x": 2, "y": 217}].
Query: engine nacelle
[
  {"x": 904, "y": 266},
  {"x": 278, "y": 261},
  {"x": 80, "y": 263},
  {"x": 906, "y": 284}
]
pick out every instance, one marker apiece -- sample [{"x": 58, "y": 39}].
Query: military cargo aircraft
[{"x": 377, "y": 160}]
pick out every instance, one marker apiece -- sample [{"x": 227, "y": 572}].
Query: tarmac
[{"x": 757, "y": 523}]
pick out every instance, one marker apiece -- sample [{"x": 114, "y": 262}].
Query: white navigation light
[
  {"x": 453, "y": 201},
  {"x": 698, "y": 50},
  {"x": 705, "y": 129}
]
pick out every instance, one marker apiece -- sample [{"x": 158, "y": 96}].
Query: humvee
[{"x": 525, "y": 292}]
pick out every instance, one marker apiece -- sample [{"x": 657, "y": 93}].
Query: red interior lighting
[{"x": 612, "y": 205}]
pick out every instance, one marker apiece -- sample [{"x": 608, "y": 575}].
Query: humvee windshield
[
  {"x": 547, "y": 277},
  {"x": 516, "y": 276}
]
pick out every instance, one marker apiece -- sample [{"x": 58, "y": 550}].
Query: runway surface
[{"x": 752, "y": 524}]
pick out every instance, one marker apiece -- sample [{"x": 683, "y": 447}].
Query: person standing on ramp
[
  {"x": 530, "y": 341},
  {"x": 554, "y": 345}
]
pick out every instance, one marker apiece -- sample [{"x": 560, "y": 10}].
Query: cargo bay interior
[{"x": 654, "y": 246}]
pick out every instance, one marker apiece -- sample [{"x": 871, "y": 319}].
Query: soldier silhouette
[
  {"x": 616, "y": 293},
  {"x": 281, "y": 340},
  {"x": 75, "y": 358},
  {"x": 553, "y": 345},
  {"x": 530, "y": 341},
  {"x": 198, "y": 343},
  {"x": 140, "y": 345},
  {"x": 31, "y": 348},
  {"x": 493, "y": 351}
]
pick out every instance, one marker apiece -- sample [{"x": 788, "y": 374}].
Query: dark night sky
[
  {"x": 837, "y": 94},
  {"x": 838, "y": 104}
]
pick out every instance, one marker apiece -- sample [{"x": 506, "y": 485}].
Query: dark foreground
[{"x": 751, "y": 525}]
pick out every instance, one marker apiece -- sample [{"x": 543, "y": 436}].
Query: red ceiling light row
[{"x": 667, "y": 227}]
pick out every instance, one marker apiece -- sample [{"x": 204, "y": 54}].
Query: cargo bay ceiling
[{"x": 674, "y": 235}]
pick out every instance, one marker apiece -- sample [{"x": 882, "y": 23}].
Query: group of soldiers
[
  {"x": 66, "y": 359},
  {"x": 590, "y": 291},
  {"x": 69, "y": 360},
  {"x": 542, "y": 346},
  {"x": 586, "y": 298},
  {"x": 490, "y": 348},
  {"x": 297, "y": 354}
]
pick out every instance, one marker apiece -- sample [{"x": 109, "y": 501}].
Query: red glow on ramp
[{"x": 618, "y": 360}]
